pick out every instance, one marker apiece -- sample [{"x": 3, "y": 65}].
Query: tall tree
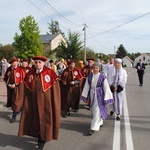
[
  {"x": 134, "y": 55},
  {"x": 6, "y": 51},
  {"x": 71, "y": 48},
  {"x": 54, "y": 28},
  {"x": 1, "y": 45},
  {"x": 121, "y": 52},
  {"x": 28, "y": 43},
  {"x": 89, "y": 54}
]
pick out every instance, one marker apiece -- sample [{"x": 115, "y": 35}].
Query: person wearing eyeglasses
[{"x": 40, "y": 116}]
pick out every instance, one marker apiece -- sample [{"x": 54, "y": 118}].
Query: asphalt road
[{"x": 131, "y": 133}]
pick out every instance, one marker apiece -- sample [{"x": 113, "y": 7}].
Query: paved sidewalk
[{"x": 3, "y": 95}]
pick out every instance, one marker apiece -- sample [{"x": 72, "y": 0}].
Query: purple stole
[{"x": 99, "y": 91}]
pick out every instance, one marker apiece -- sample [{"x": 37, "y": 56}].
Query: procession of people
[{"x": 42, "y": 91}]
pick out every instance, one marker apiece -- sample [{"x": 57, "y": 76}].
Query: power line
[
  {"x": 94, "y": 28},
  {"x": 58, "y": 13},
  {"x": 132, "y": 35},
  {"x": 43, "y": 12},
  {"x": 96, "y": 39},
  {"x": 121, "y": 25}
]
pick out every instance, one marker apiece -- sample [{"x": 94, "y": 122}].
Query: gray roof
[{"x": 47, "y": 38}]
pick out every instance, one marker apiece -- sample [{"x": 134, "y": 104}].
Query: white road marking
[
  {"x": 116, "y": 141},
  {"x": 129, "y": 141},
  {"x": 128, "y": 134}
]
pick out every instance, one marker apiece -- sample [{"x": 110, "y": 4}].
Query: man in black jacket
[{"x": 140, "y": 70}]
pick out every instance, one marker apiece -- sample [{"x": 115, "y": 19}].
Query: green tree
[
  {"x": 28, "y": 43},
  {"x": 71, "y": 48},
  {"x": 121, "y": 52},
  {"x": 54, "y": 28},
  {"x": 89, "y": 54},
  {"x": 6, "y": 51},
  {"x": 1, "y": 45},
  {"x": 102, "y": 56},
  {"x": 132, "y": 56}
]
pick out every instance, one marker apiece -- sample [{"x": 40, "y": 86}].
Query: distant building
[
  {"x": 144, "y": 57},
  {"x": 51, "y": 41},
  {"x": 127, "y": 62}
]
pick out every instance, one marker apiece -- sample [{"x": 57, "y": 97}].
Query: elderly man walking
[{"x": 40, "y": 116}]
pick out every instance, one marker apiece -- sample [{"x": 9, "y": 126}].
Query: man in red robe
[
  {"x": 25, "y": 65},
  {"x": 70, "y": 88},
  {"x": 88, "y": 68},
  {"x": 40, "y": 116},
  {"x": 13, "y": 78}
]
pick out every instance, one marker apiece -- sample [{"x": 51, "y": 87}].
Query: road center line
[
  {"x": 116, "y": 141},
  {"x": 128, "y": 134}
]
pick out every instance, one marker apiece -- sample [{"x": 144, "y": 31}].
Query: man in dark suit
[{"x": 140, "y": 70}]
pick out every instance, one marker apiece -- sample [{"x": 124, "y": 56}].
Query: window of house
[{"x": 143, "y": 58}]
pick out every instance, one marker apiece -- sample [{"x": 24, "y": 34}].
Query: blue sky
[{"x": 99, "y": 16}]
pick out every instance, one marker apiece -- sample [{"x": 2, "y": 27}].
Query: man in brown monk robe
[
  {"x": 25, "y": 65},
  {"x": 40, "y": 116},
  {"x": 88, "y": 68},
  {"x": 13, "y": 78},
  {"x": 70, "y": 89}
]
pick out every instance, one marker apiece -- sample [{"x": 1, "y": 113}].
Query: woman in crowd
[
  {"x": 100, "y": 95},
  {"x": 117, "y": 80}
]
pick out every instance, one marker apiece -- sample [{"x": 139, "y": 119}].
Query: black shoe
[
  {"x": 40, "y": 145},
  {"x": 111, "y": 113},
  {"x": 66, "y": 114},
  {"x": 118, "y": 118},
  {"x": 91, "y": 132},
  {"x": 13, "y": 120}
]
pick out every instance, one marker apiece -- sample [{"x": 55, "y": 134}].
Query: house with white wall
[
  {"x": 52, "y": 41},
  {"x": 127, "y": 62},
  {"x": 144, "y": 57}
]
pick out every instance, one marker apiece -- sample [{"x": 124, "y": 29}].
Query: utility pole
[
  {"x": 114, "y": 52},
  {"x": 84, "y": 29}
]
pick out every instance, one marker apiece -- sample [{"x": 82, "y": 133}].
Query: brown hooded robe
[
  {"x": 70, "y": 94},
  {"x": 15, "y": 96},
  {"x": 41, "y": 109}
]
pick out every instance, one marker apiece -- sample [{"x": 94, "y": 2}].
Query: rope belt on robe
[{"x": 98, "y": 95}]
